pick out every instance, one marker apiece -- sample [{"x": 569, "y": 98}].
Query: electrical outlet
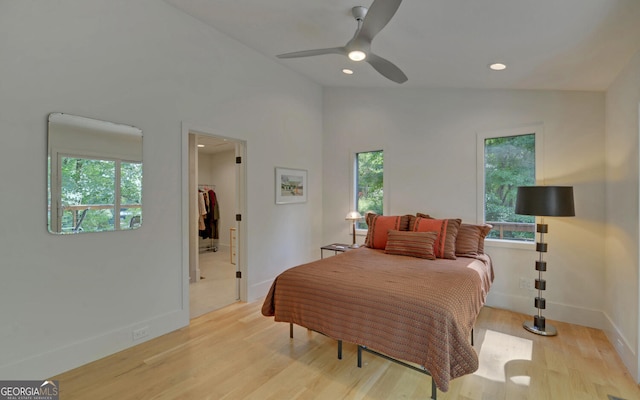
[
  {"x": 141, "y": 333},
  {"x": 526, "y": 283}
]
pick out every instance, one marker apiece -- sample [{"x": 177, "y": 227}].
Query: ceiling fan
[{"x": 370, "y": 22}]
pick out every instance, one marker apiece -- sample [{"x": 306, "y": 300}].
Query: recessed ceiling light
[
  {"x": 347, "y": 71},
  {"x": 200, "y": 145},
  {"x": 497, "y": 66}
]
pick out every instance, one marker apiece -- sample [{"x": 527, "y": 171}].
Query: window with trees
[
  {"x": 509, "y": 162},
  {"x": 369, "y": 183}
]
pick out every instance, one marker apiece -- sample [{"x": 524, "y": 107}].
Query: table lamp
[{"x": 353, "y": 216}]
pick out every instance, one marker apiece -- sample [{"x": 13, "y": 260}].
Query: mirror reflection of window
[{"x": 95, "y": 175}]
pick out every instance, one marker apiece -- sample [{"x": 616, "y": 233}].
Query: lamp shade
[
  {"x": 545, "y": 201},
  {"x": 353, "y": 215}
]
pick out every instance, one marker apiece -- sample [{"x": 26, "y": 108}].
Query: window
[
  {"x": 508, "y": 161},
  {"x": 369, "y": 184}
]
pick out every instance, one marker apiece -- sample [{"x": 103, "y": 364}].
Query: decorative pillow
[
  {"x": 485, "y": 229},
  {"x": 445, "y": 246},
  {"x": 406, "y": 221},
  {"x": 413, "y": 244},
  {"x": 470, "y": 239},
  {"x": 450, "y": 233},
  {"x": 418, "y": 215},
  {"x": 431, "y": 225},
  {"x": 379, "y": 227}
]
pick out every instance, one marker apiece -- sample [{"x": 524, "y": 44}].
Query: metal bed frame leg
[
  {"x": 434, "y": 389},
  {"x": 339, "y": 341}
]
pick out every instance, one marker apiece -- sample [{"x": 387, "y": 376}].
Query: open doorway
[{"x": 215, "y": 204}]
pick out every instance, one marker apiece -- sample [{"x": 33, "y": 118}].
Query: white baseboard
[
  {"x": 625, "y": 351},
  {"x": 259, "y": 290},
  {"x": 554, "y": 311},
  {"x": 56, "y": 361}
]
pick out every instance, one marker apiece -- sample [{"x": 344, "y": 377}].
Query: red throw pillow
[
  {"x": 431, "y": 225},
  {"x": 448, "y": 235},
  {"x": 378, "y": 231}
]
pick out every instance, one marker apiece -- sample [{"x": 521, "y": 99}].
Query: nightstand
[{"x": 335, "y": 247}]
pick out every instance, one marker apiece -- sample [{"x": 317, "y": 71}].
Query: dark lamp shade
[{"x": 545, "y": 201}]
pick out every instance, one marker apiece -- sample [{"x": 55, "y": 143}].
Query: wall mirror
[{"x": 94, "y": 175}]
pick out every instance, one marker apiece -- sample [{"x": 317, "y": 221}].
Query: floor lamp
[
  {"x": 543, "y": 201},
  {"x": 353, "y": 216}
]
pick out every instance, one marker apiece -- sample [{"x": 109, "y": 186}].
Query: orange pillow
[
  {"x": 378, "y": 231},
  {"x": 448, "y": 233},
  {"x": 447, "y": 230},
  {"x": 431, "y": 225}
]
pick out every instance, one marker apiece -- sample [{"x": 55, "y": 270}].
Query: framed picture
[{"x": 291, "y": 185}]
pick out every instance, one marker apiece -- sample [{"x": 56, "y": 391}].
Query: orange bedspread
[{"x": 412, "y": 309}]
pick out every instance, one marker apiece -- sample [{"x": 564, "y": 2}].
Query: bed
[{"x": 407, "y": 308}]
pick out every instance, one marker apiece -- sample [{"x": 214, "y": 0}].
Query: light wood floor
[{"x": 236, "y": 353}]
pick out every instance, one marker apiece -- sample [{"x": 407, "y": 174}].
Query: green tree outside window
[
  {"x": 369, "y": 183},
  {"x": 509, "y": 162}
]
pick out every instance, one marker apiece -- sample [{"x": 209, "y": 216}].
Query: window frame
[
  {"x": 538, "y": 131},
  {"x": 353, "y": 205}
]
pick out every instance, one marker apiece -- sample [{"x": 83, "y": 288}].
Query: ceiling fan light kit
[
  {"x": 357, "y": 55},
  {"x": 370, "y": 22}
]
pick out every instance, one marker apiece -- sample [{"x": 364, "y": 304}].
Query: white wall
[
  {"x": 219, "y": 169},
  {"x": 67, "y": 300},
  {"x": 429, "y": 139},
  {"x": 621, "y": 278}
]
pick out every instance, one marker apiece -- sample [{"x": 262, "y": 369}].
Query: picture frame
[{"x": 291, "y": 185}]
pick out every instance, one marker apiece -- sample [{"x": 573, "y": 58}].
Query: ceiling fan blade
[
  {"x": 386, "y": 68},
  {"x": 316, "y": 52},
  {"x": 378, "y": 16}
]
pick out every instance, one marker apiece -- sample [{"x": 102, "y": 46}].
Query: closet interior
[
  {"x": 208, "y": 217},
  {"x": 216, "y": 285}
]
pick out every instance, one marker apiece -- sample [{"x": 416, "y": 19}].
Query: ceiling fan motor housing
[{"x": 359, "y": 12}]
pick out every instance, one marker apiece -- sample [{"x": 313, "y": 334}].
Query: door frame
[{"x": 189, "y": 244}]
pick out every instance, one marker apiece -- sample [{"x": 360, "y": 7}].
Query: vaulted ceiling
[{"x": 546, "y": 44}]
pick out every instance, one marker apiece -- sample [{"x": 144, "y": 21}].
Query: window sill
[{"x": 509, "y": 244}]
